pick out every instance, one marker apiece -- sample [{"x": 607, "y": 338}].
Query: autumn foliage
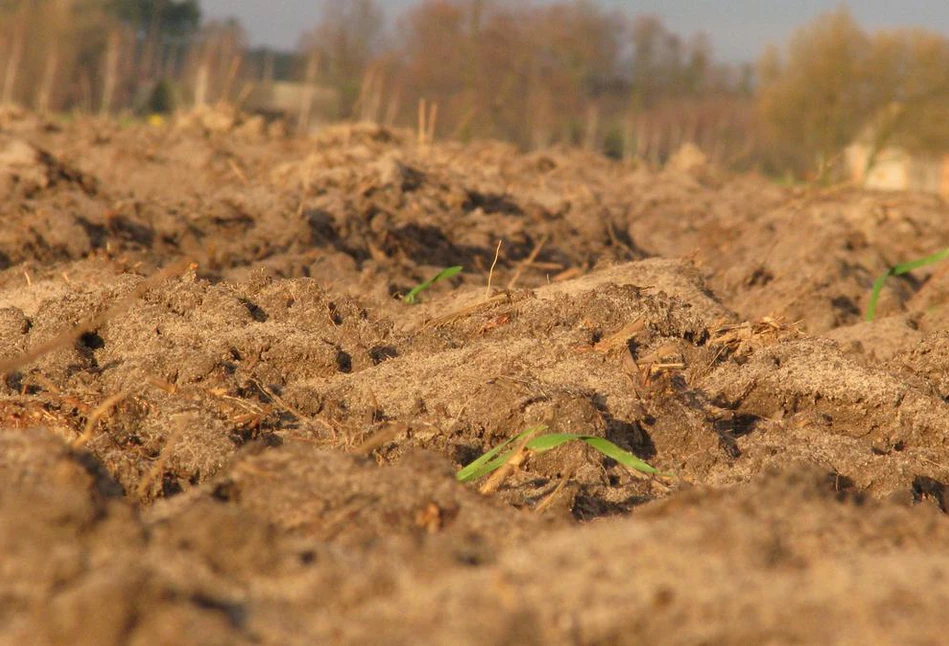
[
  {"x": 569, "y": 72},
  {"x": 837, "y": 83}
]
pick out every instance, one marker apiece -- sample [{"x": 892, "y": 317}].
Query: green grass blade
[
  {"x": 544, "y": 443},
  {"x": 875, "y": 295},
  {"x": 920, "y": 262},
  {"x": 625, "y": 458},
  {"x": 448, "y": 272},
  {"x": 898, "y": 270},
  {"x": 605, "y": 447},
  {"x": 493, "y": 459}
]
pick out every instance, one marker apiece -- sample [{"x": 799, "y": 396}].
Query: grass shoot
[
  {"x": 498, "y": 456},
  {"x": 898, "y": 270},
  {"x": 448, "y": 272}
]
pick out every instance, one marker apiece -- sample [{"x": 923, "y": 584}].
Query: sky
[{"x": 739, "y": 29}]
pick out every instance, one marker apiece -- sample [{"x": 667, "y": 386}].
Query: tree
[
  {"x": 698, "y": 65},
  {"x": 51, "y": 49},
  {"x": 839, "y": 84},
  {"x": 437, "y": 62},
  {"x": 345, "y": 40},
  {"x": 217, "y": 57},
  {"x": 908, "y": 72},
  {"x": 579, "y": 45},
  {"x": 817, "y": 100},
  {"x": 162, "y": 29},
  {"x": 170, "y": 18}
]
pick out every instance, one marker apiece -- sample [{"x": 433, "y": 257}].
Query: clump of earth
[{"x": 221, "y": 423}]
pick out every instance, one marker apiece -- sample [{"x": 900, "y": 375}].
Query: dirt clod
[{"x": 261, "y": 447}]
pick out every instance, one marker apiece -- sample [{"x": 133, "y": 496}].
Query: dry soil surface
[{"x": 220, "y": 423}]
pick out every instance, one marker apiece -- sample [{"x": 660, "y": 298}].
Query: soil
[{"x": 220, "y": 423}]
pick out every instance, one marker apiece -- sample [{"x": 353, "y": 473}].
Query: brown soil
[{"x": 260, "y": 446}]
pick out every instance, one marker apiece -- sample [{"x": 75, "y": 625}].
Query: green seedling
[
  {"x": 497, "y": 457},
  {"x": 448, "y": 272},
  {"x": 898, "y": 270}
]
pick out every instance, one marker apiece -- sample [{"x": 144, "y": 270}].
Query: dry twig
[
  {"x": 468, "y": 311},
  {"x": 101, "y": 411},
  {"x": 517, "y": 458},
  {"x": 383, "y": 436},
  {"x": 545, "y": 504},
  {"x": 154, "y": 473},
  {"x": 527, "y": 262},
  {"x": 497, "y": 252}
]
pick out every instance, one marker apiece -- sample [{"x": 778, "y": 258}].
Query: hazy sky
[{"x": 739, "y": 28}]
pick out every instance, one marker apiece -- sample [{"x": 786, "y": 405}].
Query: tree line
[
  {"x": 836, "y": 83},
  {"x": 569, "y": 72},
  {"x": 112, "y": 55}
]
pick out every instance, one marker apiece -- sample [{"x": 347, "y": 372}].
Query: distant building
[
  {"x": 897, "y": 169},
  {"x": 307, "y": 105}
]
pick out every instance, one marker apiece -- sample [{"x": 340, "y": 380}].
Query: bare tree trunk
[
  {"x": 361, "y": 106},
  {"x": 392, "y": 110},
  {"x": 235, "y": 64},
  {"x": 432, "y": 120},
  {"x": 375, "y": 98},
  {"x": 655, "y": 144},
  {"x": 427, "y": 118},
  {"x": 16, "y": 55},
  {"x": 692, "y": 128},
  {"x": 306, "y": 97},
  {"x": 267, "y": 77},
  {"x": 421, "y": 121},
  {"x": 201, "y": 85},
  {"x": 718, "y": 151},
  {"x": 170, "y": 64},
  {"x": 642, "y": 138},
  {"x": 592, "y": 128},
  {"x": 675, "y": 136},
  {"x": 152, "y": 43},
  {"x": 629, "y": 138},
  {"x": 85, "y": 92},
  {"x": 45, "y": 90},
  {"x": 474, "y": 46},
  {"x": 110, "y": 73},
  {"x": 539, "y": 120},
  {"x": 370, "y": 95}
]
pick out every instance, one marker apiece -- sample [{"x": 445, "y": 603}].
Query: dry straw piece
[
  {"x": 497, "y": 252},
  {"x": 515, "y": 460},
  {"x": 527, "y": 261},
  {"x": 101, "y": 411},
  {"x": 155, "y": 472}
]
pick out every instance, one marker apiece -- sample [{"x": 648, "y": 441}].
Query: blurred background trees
[
  {"x": 567, "y": 72},
  {"x": 343, "y": 45},
  {"x": 91, "y": 54},
  {"x": 562, "y": 73},
  {"x": 837, "y": 84}
]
